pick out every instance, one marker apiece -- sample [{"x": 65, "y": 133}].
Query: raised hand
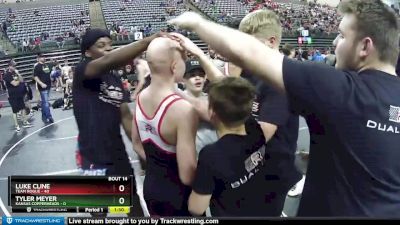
[
  {"x": 187, "y": 20},
  {"x": 186, "y": 44}
]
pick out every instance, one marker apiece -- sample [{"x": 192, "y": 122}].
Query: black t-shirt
[
  {"x": 97, "y": 112},
  {"x": 232, "y": 170},
  {"x": 272, "y": 107},
  {"x": 354, "y": 120},
  {"x": 42, "y": 71},
  {"x": 14, "y": 91}
]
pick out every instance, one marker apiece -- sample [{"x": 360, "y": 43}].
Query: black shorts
[
  {"x": 165, "y": 197},
  {"x": 17, "y": 104}
]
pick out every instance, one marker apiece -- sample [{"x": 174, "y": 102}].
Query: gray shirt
[{"x": 206, "y": 134}]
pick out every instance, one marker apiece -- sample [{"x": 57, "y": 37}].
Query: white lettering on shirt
[{"x": 383, "y": 127}]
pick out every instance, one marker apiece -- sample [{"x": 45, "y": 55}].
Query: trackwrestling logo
[{"x": 33, "y": 220}]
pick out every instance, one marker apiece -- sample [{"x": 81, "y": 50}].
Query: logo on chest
[
  {"x": 148, "y": 128},
  {"x": 111, "y": 94},
  {"x": 252, "y": 165},
  {"x": 46, "y": 69},
  {"x": 394, "y": 114}
]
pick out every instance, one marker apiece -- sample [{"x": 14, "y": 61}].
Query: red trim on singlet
[
  {"x": 136, "y": 123},
  {"x": 161, "y": 120},
  {"x": 159, "y": 105},
  {"x": 151, "y": 140}
]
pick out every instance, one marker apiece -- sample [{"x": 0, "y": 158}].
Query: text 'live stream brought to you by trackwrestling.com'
[{"x": 140, "y": 221}]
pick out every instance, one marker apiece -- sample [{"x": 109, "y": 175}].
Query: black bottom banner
[{"x": 209, "y": 220}]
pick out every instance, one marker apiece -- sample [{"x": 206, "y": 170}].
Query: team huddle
[{"x": 229, "y": 145}]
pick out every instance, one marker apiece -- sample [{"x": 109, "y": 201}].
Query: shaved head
[{"x": 166, "y": 57}]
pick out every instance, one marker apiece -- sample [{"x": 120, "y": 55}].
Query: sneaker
[
  {"x": 297, "y": 189},
  {"x": 49, "y": 121},
  {"x": 27, "y": 125},
  {"x": 17, "y": 129}
]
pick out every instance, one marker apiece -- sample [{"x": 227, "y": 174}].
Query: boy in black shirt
[{"x": 230, "y": 172}]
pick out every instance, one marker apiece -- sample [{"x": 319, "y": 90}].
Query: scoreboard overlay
[{"x": 73, "y": 194}]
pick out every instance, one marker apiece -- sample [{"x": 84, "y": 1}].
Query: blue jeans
[{"x": 44, "y": 96}]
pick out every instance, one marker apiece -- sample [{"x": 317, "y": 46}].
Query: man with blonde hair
[
  {"x": 271, "y": 108},
  {"x": 353, "y": 169}
]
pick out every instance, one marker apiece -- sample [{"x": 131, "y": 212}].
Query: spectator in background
[
  {"x": 143, "y": 76},
  {"x": 317, "y": 57},
  {"x": 304, "y": 56},
  {"x": 68, "y": 89},
  {"x": 60, "y": 41},
  {"x": 289, "y": 51},
  {"x": 2, "y": 84},
  {"x": 330, "y": 58},
  {"x": 220, "y": 64},
  {"x": 124, "y": 34},
  {"x": 133, "y": 29},
  {"x": 25, "y": 45},
  {"x": 12, "y": 27},
  {"x": 41, "y": 74},
  {"x": 36, "y": 12},
  {"x": 19, "y": 46},
  {"x": 16, "y": 92},
  {"x": 56, "y": 75},
  {"x": 128, "y": 70},
  {"x": 122, "y": 8},
  {"x": 121, "y": 74},
  {"x": 65, "y": 70},
  {"x": 32, "y": 45},
  {"x": 38, "y": 43},
  {"x": 113, "y": 34}
]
